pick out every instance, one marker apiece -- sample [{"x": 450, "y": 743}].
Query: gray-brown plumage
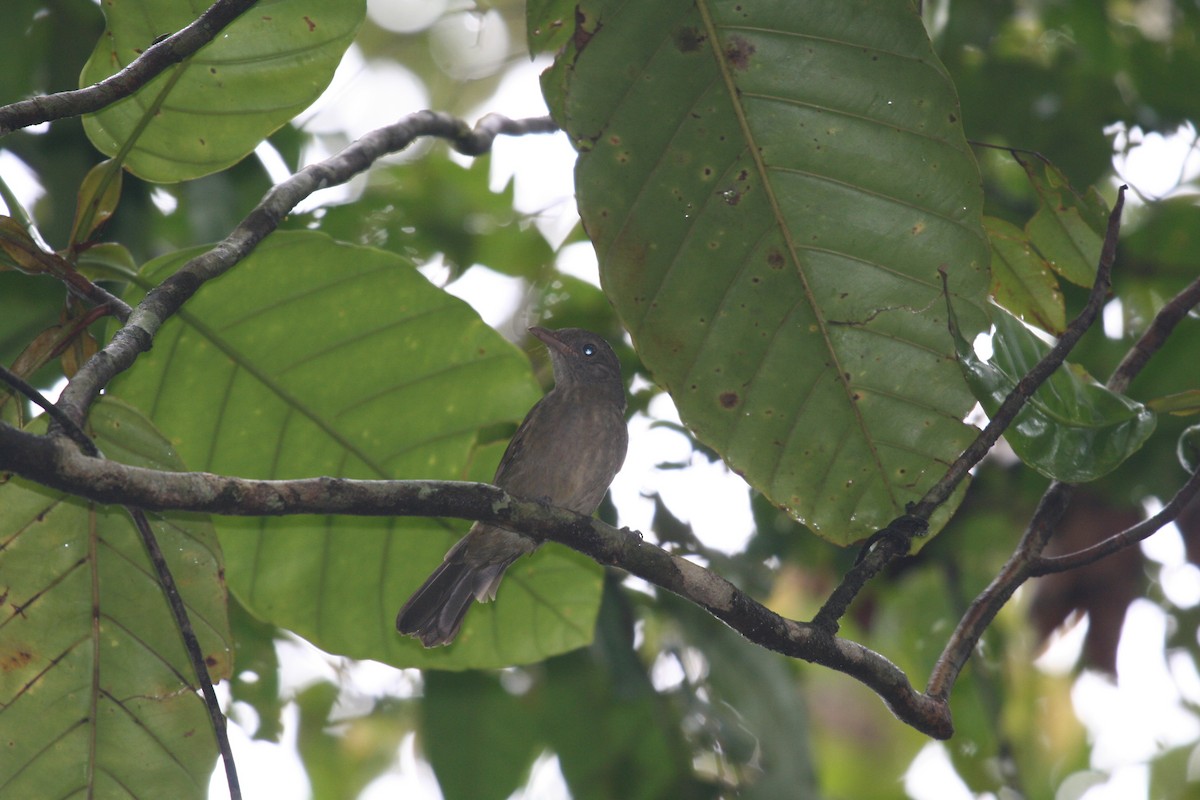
[{"x": 565, "y": 453}]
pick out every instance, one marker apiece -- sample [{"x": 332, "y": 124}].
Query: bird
[{"x": 565, "y": 453}]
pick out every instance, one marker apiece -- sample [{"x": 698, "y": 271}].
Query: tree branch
[
  {"x": 1155, "y": 336},
  {"x": 894, "y": 540},
  {"x": 56, "y": 463},
  {"x": 190, "y": 644},
  {"x": 157, "y": 57},
  {"x": 37, "y": 398},
  {"x": 163, "y": 301},
  {"x": 1038, "y": 375},
  {"x": 1045, "y": 565},
  {"x": 1027, "y": 560}
]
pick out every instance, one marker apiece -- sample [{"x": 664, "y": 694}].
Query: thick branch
[
  {"x": 56, "y": 463},
  {"x": 164, "y": 300},
  {"x": 156, "y": 58}
]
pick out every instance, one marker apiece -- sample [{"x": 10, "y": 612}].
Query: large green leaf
[
  {"x": 771, "y": 188},
  {"x": 1073, "y": 429},
  {"x": 317, "y": 358},
  {"x": 209, "y": 111},
  {"x": 97, "y": 695}
]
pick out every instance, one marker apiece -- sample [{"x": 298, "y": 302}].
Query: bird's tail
[{"x": 435, "y": 611}]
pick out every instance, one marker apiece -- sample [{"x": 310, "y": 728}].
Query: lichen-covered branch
[{"x": 55, "y": 462}]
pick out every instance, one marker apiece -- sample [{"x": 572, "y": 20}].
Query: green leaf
[
  {"x": 341, "y": 756},
  {"x": 479, "y": 738},
  {"x": 211, "y": 110},
  {"x": 621, "y": 738},
  {"x": 771, "y": 189},
  {"x": 107, "y": 261},
  {"x": 435, "y": 206},
  {"x": 256, "y": 682},
  {"x": 753, "y": 702},
  {"x": 1022, "y": 282},
  {"x": 548, "y": 24},
  {"x": 1073, "y": 429},
  {"x": 97, "y": 695},
  {"x": 316, "y": 358},
  {"x": 1181, "y": 404},
  {"x": 1068, "y": 229},
  {"x": 98, "y": 196}
]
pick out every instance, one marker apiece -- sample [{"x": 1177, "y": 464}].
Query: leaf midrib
[{"x": 732, "y": 91}]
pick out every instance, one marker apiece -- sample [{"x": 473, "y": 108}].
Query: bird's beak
[{"x": 551, "y": 339}]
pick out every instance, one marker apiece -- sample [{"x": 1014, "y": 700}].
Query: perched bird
[{"x": 565, "y": 453}]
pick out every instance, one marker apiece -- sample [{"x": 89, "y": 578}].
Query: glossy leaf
[
  {"x": 106, "y": 261},
  {"x": 211, "y": 110},
  {"x": 1073, "y": 429},
  {"x": 316, "y": 358},
  {"x": 771, "y": 189},
  {"x": 97, "y": 695},
  {"x": 1187, "y": 450},
  {"x": 1022, "y": 282}
]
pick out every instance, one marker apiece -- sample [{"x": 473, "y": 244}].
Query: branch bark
[
  {"x": 1027, "y": 560},
  {"x": 55, "y": 462},
  {"x": 157, "y": 57},
  {"x": 137, "y": 335}
]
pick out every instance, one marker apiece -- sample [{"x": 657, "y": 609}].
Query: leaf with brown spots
[
  {"x": 93, "y": 674},
  {"x": 789, "y": 177}
]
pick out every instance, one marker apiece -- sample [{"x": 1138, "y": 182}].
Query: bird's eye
[{"x": 589, "y": 350}]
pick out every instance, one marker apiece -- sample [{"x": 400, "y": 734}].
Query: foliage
[{"x": 773, "y": 191}]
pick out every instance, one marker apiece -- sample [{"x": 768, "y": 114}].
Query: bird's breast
[{"x": 568, "y": 454}]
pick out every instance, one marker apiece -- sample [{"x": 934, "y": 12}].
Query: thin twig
[
  {"x": 156, "y": 58},
  {"x": 1027, "y": 560},
  {"x": 166, "y": 581},
  {"x": 1045, "y": 565},
  {"x": 137, "y": 335},
  {"x": 37, "y": 398},
  {"x": 1149, "y": 343},
  {"x": 987, "y": 604},
  {"x": 1036, "y": 376},
  {"x": 1155, "y": 336},
  {"x": 191, "y": 644}
]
